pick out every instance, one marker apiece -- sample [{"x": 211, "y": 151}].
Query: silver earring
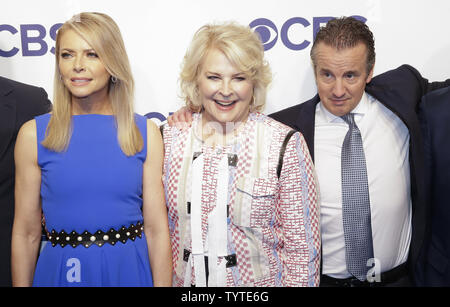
[{"x": 113, "y": 79}]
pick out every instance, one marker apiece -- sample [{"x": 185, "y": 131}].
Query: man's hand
[{"x": 182, "y": 119}]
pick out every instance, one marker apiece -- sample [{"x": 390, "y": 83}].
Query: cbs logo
[
  {"x": 32, "y": 38},
  {"x": 269, "y": 34}
]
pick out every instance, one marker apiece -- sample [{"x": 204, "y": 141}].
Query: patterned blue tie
[{"x": 355, "y": 202}]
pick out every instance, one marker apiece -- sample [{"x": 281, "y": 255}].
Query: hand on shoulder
[{"x": 181, "y": 119}]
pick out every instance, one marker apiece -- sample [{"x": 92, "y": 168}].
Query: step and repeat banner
[{"x": 157, "y": 33}]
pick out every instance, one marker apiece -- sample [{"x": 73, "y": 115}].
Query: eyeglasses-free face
[
  {"x": 341, "y": 77},
  {"x": 82, "y": 71},
  {"x": 224, "y": 91}
]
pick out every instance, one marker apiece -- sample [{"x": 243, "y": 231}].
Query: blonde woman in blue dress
[{"x": 96, "y": 167}]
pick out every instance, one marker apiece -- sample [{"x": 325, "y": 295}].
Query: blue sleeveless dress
[{"x": 92, "y": 186}]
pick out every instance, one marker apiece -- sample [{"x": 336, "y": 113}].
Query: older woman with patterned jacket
[{"x": 240, "y": 187}]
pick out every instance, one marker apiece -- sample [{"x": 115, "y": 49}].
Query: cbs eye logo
[
  {"x": 267, "y": 31},
  {"x": 269, "y": 34}
]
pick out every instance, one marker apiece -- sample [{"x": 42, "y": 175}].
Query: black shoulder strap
[
  {"x": 282, "y": 151},
  {"x": 161, "y": 129}
]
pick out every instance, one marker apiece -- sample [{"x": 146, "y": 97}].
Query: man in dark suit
[
  {"x": 384, "y": 108},
  {"x": 434, "y": 115},
  {"x": 18, "y": 103}
]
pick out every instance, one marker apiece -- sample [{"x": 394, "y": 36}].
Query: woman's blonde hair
[
  {"x": 241, "y": 46},
  {"x": 103, "y": 35}
]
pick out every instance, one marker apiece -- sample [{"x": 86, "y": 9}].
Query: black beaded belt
[
  {"x": 387, "y": 277},
  {"x": 98, "y": 238}
]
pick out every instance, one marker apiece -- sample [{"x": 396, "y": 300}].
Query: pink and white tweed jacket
[{"x": 273, "y": 223}]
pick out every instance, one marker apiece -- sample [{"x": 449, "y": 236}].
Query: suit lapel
[
  {"x": 7, "y": 115},
  {"x": 306, "y": 122}
]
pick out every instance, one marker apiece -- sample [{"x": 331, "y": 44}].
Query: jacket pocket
[{"x": 255, "y": 200}]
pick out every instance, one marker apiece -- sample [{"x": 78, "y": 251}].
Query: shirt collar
[{"x": 360, "y": 110}]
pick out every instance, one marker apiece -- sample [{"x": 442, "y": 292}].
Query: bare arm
[
  {"x": 155, "y": 213},
  {"x": 26, "y": 235}
]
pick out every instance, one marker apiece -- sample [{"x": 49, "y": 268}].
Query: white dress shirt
[{"x": 386, "y": 147}]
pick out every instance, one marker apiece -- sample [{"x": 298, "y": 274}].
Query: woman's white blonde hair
[
  {"x": 241, "y": 46},
  {"x": 103, "y": 35}
]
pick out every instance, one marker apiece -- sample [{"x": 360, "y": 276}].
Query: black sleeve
[
  {"x": 425, "y": 85},
  {"x": 31, "y": 102}
]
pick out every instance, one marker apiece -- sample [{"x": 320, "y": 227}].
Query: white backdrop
[{"x": 157, "y": 33}]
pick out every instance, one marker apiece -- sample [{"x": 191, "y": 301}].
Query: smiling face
[
  {"x": 341, "y": 77},
  {"x": 82, "y": 72},
  {"x": 225, "y": 92}
]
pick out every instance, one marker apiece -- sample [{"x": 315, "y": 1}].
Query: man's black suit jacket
[
  {"x": 435, "y": 119},
  {"x": 401, "y": 91},
  {"x": 18, "y": 104}
]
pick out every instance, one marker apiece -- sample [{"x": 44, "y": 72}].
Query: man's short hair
[{"x": 346, "y": 32}]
